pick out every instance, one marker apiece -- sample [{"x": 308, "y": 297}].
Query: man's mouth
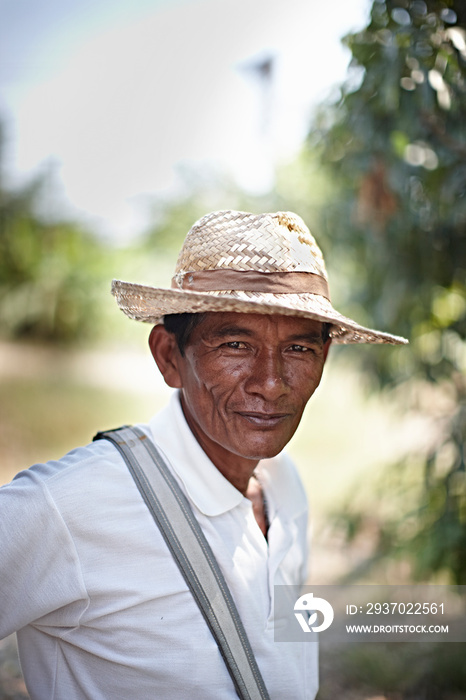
[{"x": 264, "y": 420}]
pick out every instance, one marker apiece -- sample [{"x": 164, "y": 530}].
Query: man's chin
[
  {"x": 256, "y": 452},
  {"x": 264, "y": 444}
]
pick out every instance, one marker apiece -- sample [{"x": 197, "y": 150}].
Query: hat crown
[
  {"x": 234, "y": 240},
  {"x": 209, "y": 275}
]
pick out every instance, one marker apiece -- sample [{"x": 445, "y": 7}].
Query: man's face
[{"x": 245, "y": 380}]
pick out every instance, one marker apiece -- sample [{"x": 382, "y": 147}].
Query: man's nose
[{"x": 267, "y": 376}]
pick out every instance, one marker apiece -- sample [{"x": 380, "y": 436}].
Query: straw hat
[{"x": 247, "y": 263}]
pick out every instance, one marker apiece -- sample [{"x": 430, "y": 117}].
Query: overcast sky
[{"x": 116, "y": 93}]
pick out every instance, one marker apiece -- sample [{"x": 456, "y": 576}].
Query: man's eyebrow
[
  {"x": 231, "y": 330},
  {"x": 312, "y": 337}
]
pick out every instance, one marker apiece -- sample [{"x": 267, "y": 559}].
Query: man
[{"x": 100, "y": 606}]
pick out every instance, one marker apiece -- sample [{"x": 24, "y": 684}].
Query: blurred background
[{"x": 123, "y": 122}]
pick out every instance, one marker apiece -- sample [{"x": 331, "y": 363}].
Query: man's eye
[
  {"x": 303, "y": 349},
  {"x": 235, "y": 345}
]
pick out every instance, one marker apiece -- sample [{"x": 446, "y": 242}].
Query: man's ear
[{"x": 166, "y": 354}]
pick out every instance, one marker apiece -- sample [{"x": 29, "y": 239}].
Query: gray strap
[{"x": 191, "y": 551}]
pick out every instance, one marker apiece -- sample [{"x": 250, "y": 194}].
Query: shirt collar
[{"x": 282, "y": 486}]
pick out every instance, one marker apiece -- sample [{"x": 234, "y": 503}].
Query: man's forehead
[{"x": 224, "y": 323}]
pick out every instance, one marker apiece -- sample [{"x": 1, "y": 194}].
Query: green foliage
[
  {"x": 50, "y": 273},
  {"x": 395, "y": 141}
]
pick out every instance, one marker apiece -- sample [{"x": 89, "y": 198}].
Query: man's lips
[{"x": 262, "y": 419}]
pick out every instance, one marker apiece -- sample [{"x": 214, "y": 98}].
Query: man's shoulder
[{"x": 94, "y": 460}]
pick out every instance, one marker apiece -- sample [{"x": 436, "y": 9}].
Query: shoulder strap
[{"x": 193, "y": 554}]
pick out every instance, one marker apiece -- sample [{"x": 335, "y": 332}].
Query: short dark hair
[
  {"x": 326, "y": 328},
  {"x": 182, "y": 325}
]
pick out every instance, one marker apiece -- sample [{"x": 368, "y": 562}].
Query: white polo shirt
[{"x": 101, "y": 609}]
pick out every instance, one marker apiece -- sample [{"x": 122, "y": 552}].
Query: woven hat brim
[{"x": 151, "y": 304}]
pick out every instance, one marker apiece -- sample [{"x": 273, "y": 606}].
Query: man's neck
[
  {"x": 256, "y": 495},
  {"x": 237, "y": 470}
]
